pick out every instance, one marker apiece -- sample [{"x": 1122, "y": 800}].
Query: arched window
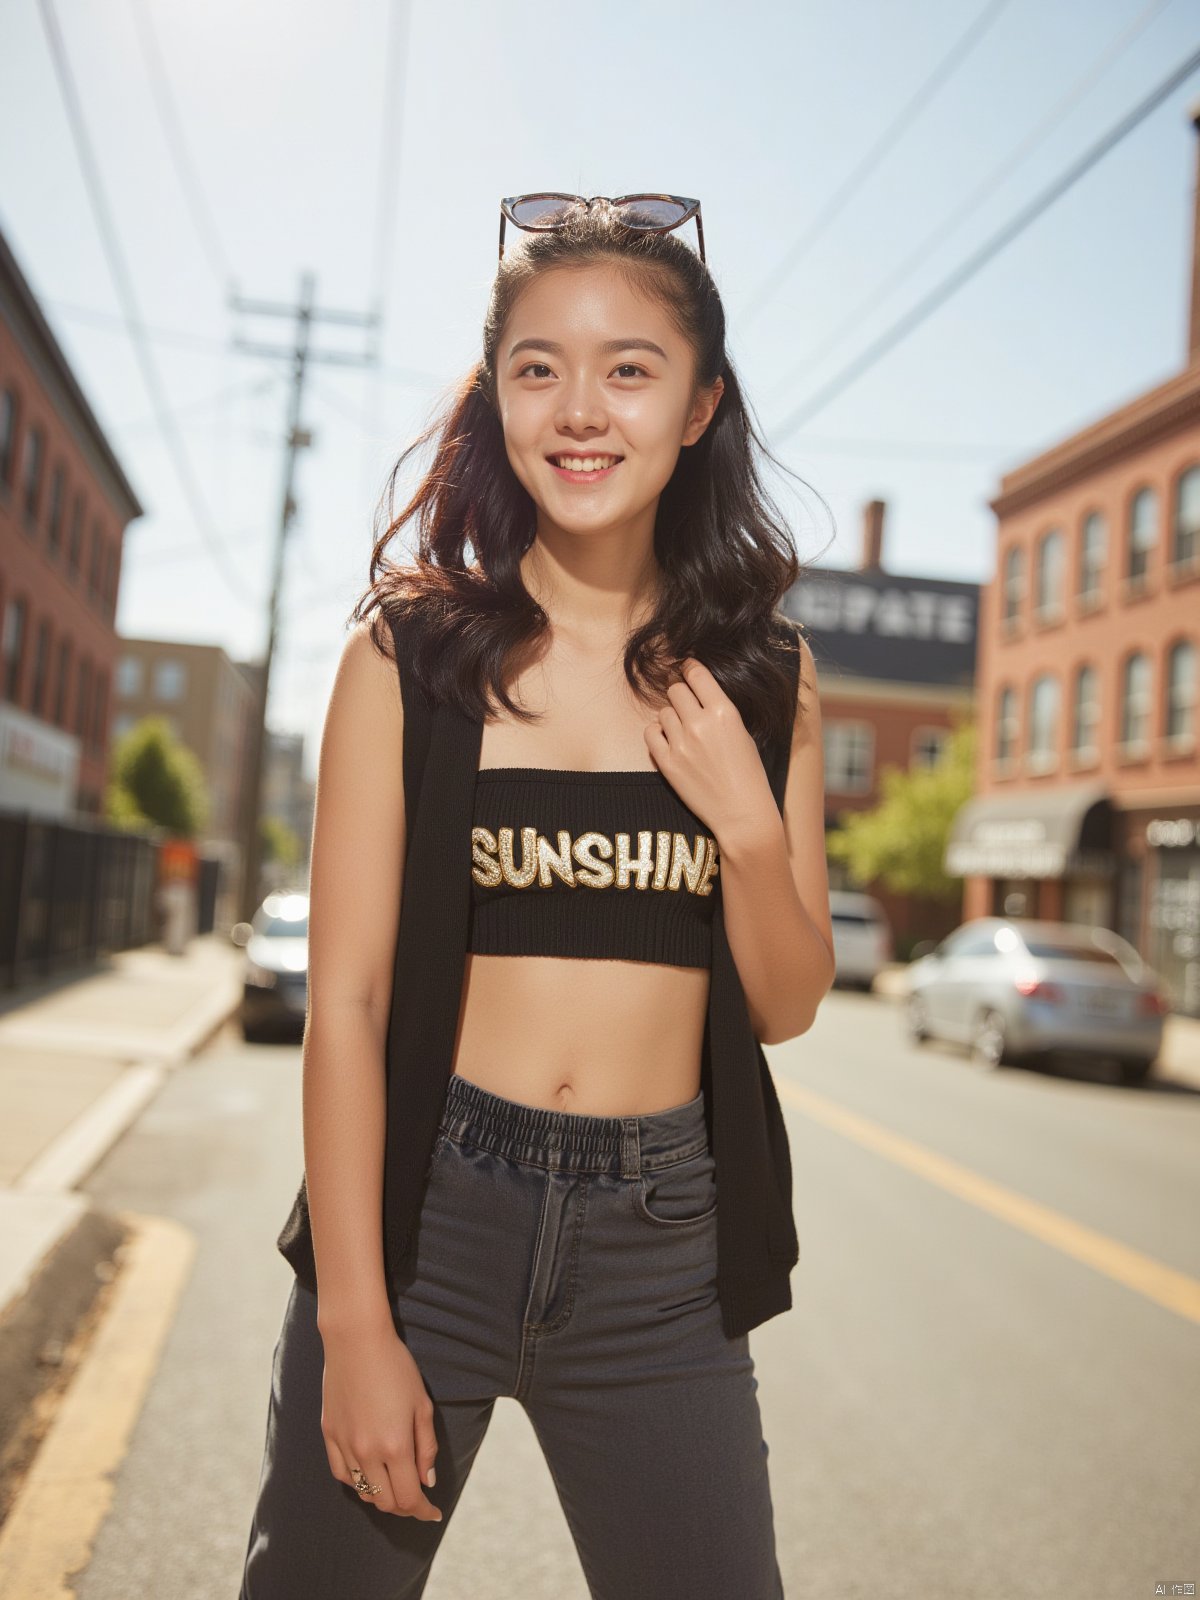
[
  {"x": 1085, "y": 710},
  {"x": 1007, "y": 724},
  {"x": 1143, "y": 532},
  {"x": 1179, "y": 722},
  {"x": 1014, "y": 583},
  {"x": 1043, "y": 722},
  {"x": 1185, "y": 536},
  {"x": 1093, "y": 548},
  {"x": 1135, "y": 700},
  {"x": 1048, "y": 574}
]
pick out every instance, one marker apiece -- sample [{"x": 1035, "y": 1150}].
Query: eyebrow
[{"x": 609, "y": 347}]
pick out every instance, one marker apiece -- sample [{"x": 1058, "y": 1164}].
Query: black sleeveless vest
[{"x": 757, "y": 1244}]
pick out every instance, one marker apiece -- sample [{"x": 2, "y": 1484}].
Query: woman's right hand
[{"x": 376, "y": 1415}]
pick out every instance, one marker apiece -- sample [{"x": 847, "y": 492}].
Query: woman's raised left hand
[{"x": 706, "y": 753}]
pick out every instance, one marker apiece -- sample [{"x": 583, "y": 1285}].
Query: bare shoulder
[{"x": 367, "y": 683}]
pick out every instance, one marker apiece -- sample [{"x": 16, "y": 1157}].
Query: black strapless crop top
[{"x": 602, "y": 864}]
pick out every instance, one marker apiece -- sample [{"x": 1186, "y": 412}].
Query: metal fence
[{"x": 71, "y": 891}]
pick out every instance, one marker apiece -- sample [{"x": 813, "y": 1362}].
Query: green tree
[
  {"x": 154, "y": 780},
  {"x": 901, "y": 841}
]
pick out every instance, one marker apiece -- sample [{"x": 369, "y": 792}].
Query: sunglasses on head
[{"x": 652, "y": 213}]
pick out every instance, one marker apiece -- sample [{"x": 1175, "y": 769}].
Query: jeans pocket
[{"x": 680, "y": 1195}]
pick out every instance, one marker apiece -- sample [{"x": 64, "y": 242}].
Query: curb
[{"x": 46, "y": 1540}]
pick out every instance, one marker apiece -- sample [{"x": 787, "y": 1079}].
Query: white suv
[{"x": 862, "y": 937}]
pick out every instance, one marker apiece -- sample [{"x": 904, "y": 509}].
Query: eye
[
  {"x": 632, "y": 366},
  {"x": 526, "y": 368}
]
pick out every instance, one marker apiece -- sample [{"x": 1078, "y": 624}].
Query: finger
[
  {"x": 338, "y": 1464},
  {"x": 407, "y": 1491},
  {"x": 377, "y": 1473},
  {"x": 425, "y": 1445},
  {"x": 701, "y": 681},
  {"x": 684, "y": 698}
]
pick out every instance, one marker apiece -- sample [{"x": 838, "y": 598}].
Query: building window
[
  {"x": 1185, "y": 536},
  {"x": 1048, "y": 576},
  {"x": 1014, "y": 582},
  {"x": 1007, "y": 724},
  {"x": 928, "y": 745},
  {"x": 8, "y": 435},
  {"x": 75, "y": 543},
  {"x": 129, "y": 677},
  {"x": 61, "y": 683},
  {"x": 1143, "y": 533},
  {"x": 96, "y": 563},
  {"x": 58, "y": 496},
  {"x": 31, "y": 475},
  {"x": 849, "y": 756},
  {"x": 1135, "y": 701},
  {"x": 1093, "y": 547},
  {"x": 1085, "y": 711},
  {"x": 41, "y": 668},
  {"x": 99, "y": 711},
  {"x": 13, "y": 647},
  {"x": 170, "y": 679},
  {"x": 1180, "y": 719},
  {"x": 83, "y": 695},
  {"x": 1043, "y": 723}
]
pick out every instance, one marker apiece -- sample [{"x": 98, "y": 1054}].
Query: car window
[
  {"x": 853, "y": 919},
  {"x": 1050, "y": 950},
  {"x": 976, "y": 942},
  {"x": 283, "y": 927}
]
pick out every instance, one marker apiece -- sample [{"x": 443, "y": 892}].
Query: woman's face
[{"x": 588, "y": 368}]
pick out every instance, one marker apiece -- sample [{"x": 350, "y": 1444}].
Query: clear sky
[{"x": 286, "y": 111}]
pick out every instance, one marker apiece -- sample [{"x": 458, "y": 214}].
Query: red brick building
[
  {"x": 895, "y": 663},
  {"x": 1088, "y": 802},
  {"x": 64, "y": 506}
]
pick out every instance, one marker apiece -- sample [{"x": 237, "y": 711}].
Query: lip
[{"x": 584, "y": 477}]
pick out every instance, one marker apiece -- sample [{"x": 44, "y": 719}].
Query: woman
[{"x": 639, "y": 804}]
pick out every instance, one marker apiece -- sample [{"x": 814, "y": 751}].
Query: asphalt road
[{"x": 989, "y": 1385}]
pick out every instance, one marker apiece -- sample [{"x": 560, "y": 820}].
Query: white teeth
[{"x": 584, "y": 463}]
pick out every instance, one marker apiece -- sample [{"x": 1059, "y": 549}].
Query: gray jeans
[{"x": 567, "y": 1261}]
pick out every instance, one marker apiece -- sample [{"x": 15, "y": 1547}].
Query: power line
[
  {"x": 133, "y": 321},
  {"x": 920, "y": 254},
  {"x": 164, "y": 101},
  {"x": 887, "y": 139},
  {"x": 992, "y": 247},
  {"x": 412, "y": 377}
]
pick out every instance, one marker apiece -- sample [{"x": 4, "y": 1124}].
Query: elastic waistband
[{"x": 572, "y": 1140}]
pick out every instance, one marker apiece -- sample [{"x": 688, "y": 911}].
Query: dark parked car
[
  {"x": 1016, "y": 987},
  {"x": 275, "y": 975}
]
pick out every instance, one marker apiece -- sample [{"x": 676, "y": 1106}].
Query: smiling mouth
[{"x": 583, "y": 468}]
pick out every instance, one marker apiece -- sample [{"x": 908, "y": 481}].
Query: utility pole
[{"x": 298, "y": 438}]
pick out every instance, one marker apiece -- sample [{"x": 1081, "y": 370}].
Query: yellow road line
[
  {"x": 1174, "y": 1290},
  {"x": 46, "y": 1541}
]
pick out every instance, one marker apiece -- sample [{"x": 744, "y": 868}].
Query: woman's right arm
[{"x": 376, "y": 1412}]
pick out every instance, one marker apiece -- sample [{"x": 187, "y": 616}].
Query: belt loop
[{"x": 631, "y": 1150}]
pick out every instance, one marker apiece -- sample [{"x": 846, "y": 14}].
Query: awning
[{"x": 1030, "y": 835}]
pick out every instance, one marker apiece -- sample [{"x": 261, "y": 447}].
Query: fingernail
[{"x": 431, "y": 1477}]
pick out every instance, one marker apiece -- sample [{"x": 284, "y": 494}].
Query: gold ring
[{"x": 361, "y": 1484}]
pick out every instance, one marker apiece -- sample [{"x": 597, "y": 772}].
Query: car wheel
[
  {"x": 1136, "y": 1070},
  {"x": 989, "y": 1042},
  {"x": 918, "y": 1019}
]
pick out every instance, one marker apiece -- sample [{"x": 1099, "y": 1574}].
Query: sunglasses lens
[
  {"x": 542, "y": 212},
  {"x": 648, "y": 211}
]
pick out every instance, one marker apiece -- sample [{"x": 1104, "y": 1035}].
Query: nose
[{"x": 580, "y": 409}]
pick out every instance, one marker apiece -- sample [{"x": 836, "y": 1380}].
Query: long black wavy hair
[{"x": 724, "y": 551}]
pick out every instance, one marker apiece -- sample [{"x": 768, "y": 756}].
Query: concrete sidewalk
[
  {"x": 1178, "y": 1060},
  {"x": 79, "y": 1059}
]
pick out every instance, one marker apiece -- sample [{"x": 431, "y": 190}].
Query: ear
[{"x": 706, "y": 404}]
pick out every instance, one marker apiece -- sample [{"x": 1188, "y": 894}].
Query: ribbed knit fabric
[{"x": 600, "y": 864}]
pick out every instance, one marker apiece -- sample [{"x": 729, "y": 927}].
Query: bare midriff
[{"x": 606, "y": 1038}]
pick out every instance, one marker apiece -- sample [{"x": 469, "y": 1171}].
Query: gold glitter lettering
[
  {"x": 559, "y": 863},
  {"x": 641, "y": 864},
  {"x": 486, "y": 870},
  {"x": 529, "y": 858},
  {"x": 593, "y": 874}
]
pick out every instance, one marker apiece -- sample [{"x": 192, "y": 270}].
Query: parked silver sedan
[{"x": 1014, "y": 987}]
